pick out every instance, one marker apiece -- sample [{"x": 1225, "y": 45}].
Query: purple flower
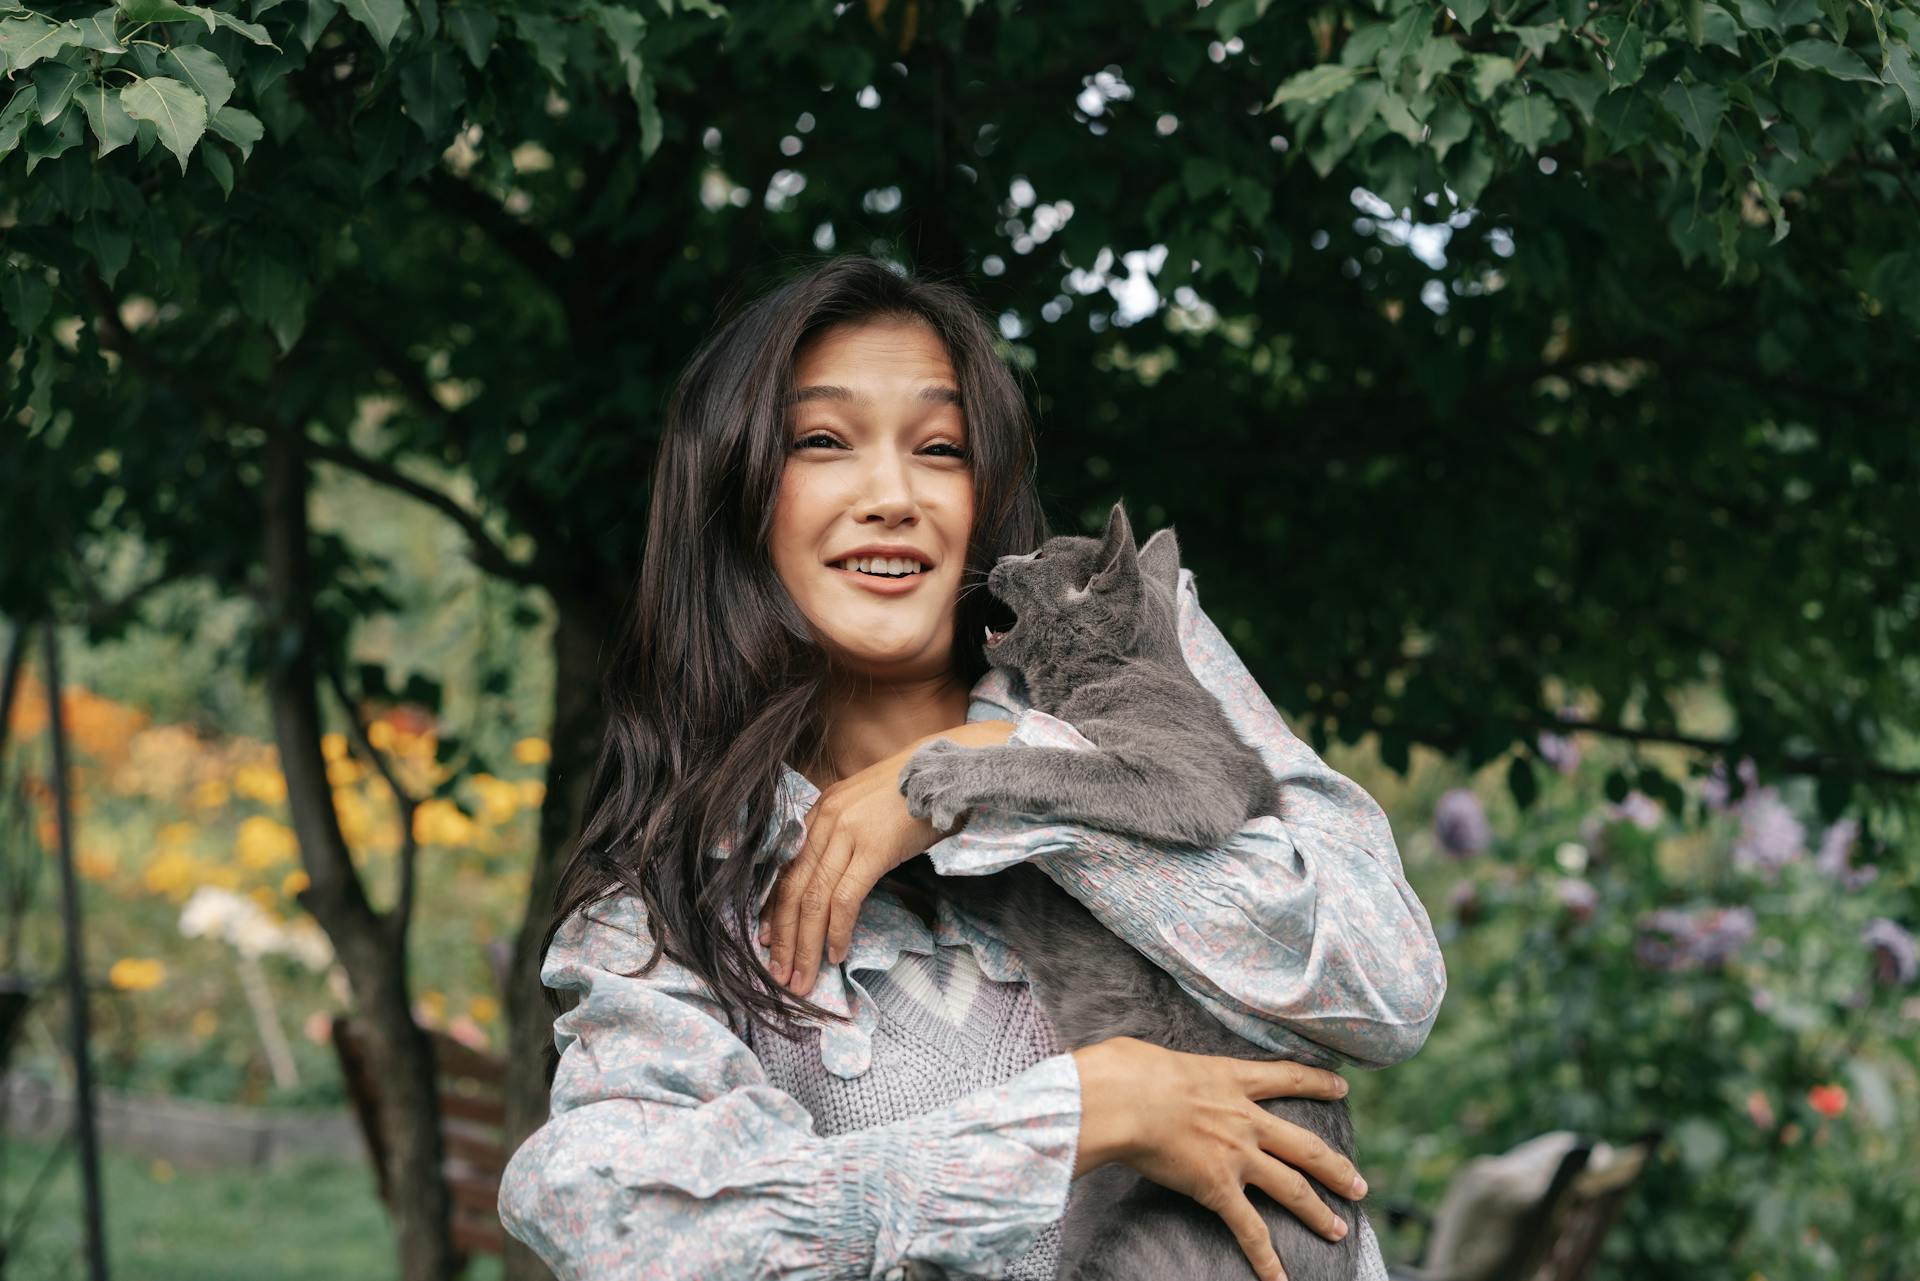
[
  {"x": 1559, "y": 750},
  {"x": 1717, "y": 792},
  {"x": 1638, "y": 809},
  {"x": 1770, "y": 836},
  {"x": 1895, "y": 960},
  {"x": 1672, "y": 939},
  {"x": 1577, "y": 897},
  {"x": 1460, "y": 825},
  {"x": 1836, "y": 855}
]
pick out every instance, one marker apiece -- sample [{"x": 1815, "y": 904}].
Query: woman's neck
[{"x": 869, "y": 722}]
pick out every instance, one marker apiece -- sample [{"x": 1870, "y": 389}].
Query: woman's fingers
[
  {"x": 1250, "y": 1230},
  {"x": 1290, "y": 1188},
  {"x": 1302, "y": 1149},
  {"x": 816, "y": 901},
  {"x": 783, "y": 909},
  {"x": 1284, "y": 1078}
]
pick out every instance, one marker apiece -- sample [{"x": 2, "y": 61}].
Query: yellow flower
[
  {"x": 162, "y": 1170},
  {"x": 209, "y": 795},
  {"x": 267, "y": 900},
  {"x": 499, "y": 799},
  {"x": 532, "y": 792},
  {"x": 432, "y": 1007},
  {"x": 261, "y": 783},
  {"x": 173, "y": 873},
  {"x": 344, "y": 771},
  {"x": 532, "y": 751},
  {"x": 205, "y": 1023},
  {"x": 380, "y": 734},
  {"x": 439, "y": 822},
  {"x": 136, "y": 974},
  {"x": 483, "y": 1009},
  {"x": 263, "y": 843},
  {"x": 294, "y": 884},
  {"x": 178, "y": 834},
  {"x": 333, "y": 746},
  {"x": 355, "y": 818}
]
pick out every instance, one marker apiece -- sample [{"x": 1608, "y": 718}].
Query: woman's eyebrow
[{"x": 938, "y": 395}]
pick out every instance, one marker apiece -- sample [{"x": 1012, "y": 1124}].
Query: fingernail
[
  {"x": 1341, "y": 1091},
  {"x": 1359, "y": 1186},
  {"x": 1339, "y": 1229}
]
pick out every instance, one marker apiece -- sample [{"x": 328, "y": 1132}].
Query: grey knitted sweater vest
[{"x": 944, "y": 1031}]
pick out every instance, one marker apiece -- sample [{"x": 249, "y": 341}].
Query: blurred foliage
[{"x": 1712, "y": 970}]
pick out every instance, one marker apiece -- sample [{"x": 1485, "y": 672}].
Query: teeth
[{"x": 881, "y": 565}]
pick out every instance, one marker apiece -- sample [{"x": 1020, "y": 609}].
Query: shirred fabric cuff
[{"x": 983, "y": 1187}]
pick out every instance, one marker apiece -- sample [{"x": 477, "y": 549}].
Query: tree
[{"x": 1485, "y": 355}]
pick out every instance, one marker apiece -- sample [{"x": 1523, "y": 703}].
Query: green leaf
[
  {"x": 1469, "y": 12},
  {"x": 1534, "y": 39},
  {"x": 474, "y": 29},
  {"x": 548, "y": 41},
  {"x": 274, "y": 293},
  {"x": 251, "y": 30},
  {"x": 24, "y": 41},
  {"x": 178, "y": 113},
  {"x": 1528, "y": 118},
  {"x": 1407, "y": 35},
  {"x": 381, "y": 17},
  {"x": 1203, "y": 175},
  {"x": 1627, "y": 61},
  {"x": 1623, "y": 118},
  {"x": 1490, "y": 71},
  {"x": 1819, "y": 55},
  {"x": 1758, "y": 15},
  {"x": 1903, "y": 69},
  {"x": 1362, "y": 48},
  {"x": 1522, "y": 782},
  {"x": 1450, "y": 123},
  {"x": 1435, "y": 58},
  {"x": 26, "y": 297},
  {"x": 1579, "y": 89},
  {"x": 1698, "y": 107},
  {"x": 54, "y": 82},
  {"x": 45, "y": 141},
  {"x": 161, "y": 11},
  {"x": 112, "y": 126},
  {"x": 238, "y": 126},
  {"x": 1393, "y": 110},
  {"x": 314, "y": 23},
  {"x": 1315, "y": 84},
  {"x": 432, "y": 88},
  {"x": 21, "y": 111},
  {"x": 109, "y": 245},
  {"x": 218, "y": 163},
  {"x": 201, "y": 69},
  {"x": 97, "y": 32}
]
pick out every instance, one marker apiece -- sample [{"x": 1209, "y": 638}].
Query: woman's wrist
[{"x": 1107, "y": 1088}]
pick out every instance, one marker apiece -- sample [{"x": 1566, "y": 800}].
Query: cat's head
[{"x": 1079, "y": 600}]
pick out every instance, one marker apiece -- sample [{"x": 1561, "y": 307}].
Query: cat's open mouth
[{"x": 994, "y": 638}]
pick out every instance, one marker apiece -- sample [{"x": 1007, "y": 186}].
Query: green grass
[{"x": 308, "y": 1222}]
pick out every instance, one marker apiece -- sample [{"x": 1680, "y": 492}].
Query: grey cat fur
[{"x": 1097, "y": 643}]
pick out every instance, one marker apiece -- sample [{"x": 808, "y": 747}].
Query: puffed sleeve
[
  {"x": 1300, "y": 934},
  {"x": 668, "y": 1154}
]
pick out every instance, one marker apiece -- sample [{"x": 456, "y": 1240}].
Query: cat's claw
[{"x": 931, "y": 783}]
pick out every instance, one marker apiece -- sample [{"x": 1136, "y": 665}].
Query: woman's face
[{"x": 876, "y": 457}]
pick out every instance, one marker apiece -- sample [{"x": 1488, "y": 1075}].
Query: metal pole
[{"x": 76, "y": 972}]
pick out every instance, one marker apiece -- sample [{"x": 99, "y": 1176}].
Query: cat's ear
[
  {"x": 1160, "y": 558},
  {"x": 1117, "y": 554}
]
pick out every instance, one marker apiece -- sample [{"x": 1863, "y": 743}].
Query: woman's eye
[
  {"x": 957, "y": 451},
  {"x": 808, "y": 439}
]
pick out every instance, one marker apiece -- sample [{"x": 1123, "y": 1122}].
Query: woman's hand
[
  {"x": 857, "y": 831},
  {"x": 1189, "y": 1122}
]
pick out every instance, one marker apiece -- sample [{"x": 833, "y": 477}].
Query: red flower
[{"x": 1828, "y": 1100}]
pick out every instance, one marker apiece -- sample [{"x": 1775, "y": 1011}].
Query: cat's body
[{"x": 1097, "y": 644}]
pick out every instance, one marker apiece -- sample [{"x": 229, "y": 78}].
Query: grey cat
[{"x": 1097, "y": 644}]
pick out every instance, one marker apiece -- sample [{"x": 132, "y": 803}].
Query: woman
[{"x": 783, "y": 1063}]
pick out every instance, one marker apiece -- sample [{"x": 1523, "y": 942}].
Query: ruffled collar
[{"x": 887, "y": 929}]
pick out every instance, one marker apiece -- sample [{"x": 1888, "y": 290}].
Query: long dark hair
[{"x": 717, "y": 678}]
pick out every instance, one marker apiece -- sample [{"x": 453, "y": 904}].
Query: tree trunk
[
  {"x": 578, "y": 722},
  {"x": 371, "y": 946}
]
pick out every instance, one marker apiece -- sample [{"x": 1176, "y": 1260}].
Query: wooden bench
[
  {"x": 472, "y": 1114},
  {"x": 1558, "y": 1236}
]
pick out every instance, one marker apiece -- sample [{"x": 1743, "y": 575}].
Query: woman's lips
[{"x": 883, "y": 586}]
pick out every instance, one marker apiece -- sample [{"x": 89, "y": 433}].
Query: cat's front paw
[{"x": 932, "y": 783}]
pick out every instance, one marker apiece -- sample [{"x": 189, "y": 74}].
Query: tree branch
[{"x": 401, "y": 915}]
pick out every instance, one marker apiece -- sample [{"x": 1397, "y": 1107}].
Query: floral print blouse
[{"x": 669, "y": 1154}]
